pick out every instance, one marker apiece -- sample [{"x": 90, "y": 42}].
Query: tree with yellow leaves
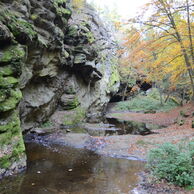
[{"x": 168, "y": 49}]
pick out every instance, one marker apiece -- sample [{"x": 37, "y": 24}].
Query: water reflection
[{"x": 67, "y": 170}]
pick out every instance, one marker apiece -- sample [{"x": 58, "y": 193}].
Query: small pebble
[
  {"x": 70, "y": 170},
  {"x": 38, "y": 172}
]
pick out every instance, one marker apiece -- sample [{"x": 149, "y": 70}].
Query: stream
[{"x": 64, "y": 170}]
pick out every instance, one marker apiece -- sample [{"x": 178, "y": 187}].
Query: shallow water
[{"x": 66, "y": 170}]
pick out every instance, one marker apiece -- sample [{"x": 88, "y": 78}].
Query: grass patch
[
  {"x": 143, "y": 143},
  {"x": 148, "y": 103}
]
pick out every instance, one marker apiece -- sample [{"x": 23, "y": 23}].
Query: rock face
[{"x": 57, "y": 56}]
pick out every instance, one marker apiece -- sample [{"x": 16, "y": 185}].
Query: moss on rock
[
  {"x": 74, "y": 103},
  {"x": 61, "y": 9},
  {"x": 11, "y": 139},
  {"x": 16, "y": 153},
  {"x": 3, "y": 94},
  {"x": 5, "y": 162},
  {"x": 77, "y": 115},
  {"x": 17, "y": 25},
  {"x": 8, "y": 82},
  {"x": 11, "y": 102},
  {"x": 6, "y": 70},
  {"x": 114, "y": 78},
  {"x": 11, "y": 124},
  {"x": 69, "y": 102},
  {"x": 12, "y": 54}
]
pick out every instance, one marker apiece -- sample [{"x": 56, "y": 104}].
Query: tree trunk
[
  {"x": 183, "y": 98},
  {"x": 168, "y": 96},
  {"x": 179, "y": 39},
  {"x": 161, "y": 100},
  {"x": 124, "y": 92},
  {"x": 190, "y": 32}
]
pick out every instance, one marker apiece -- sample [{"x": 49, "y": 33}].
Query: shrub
[{"x": 174, "y": 163}]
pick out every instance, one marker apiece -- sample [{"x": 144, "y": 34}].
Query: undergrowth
[
  {"x": 173, "y": 163},
  {"x": 147, "y": 103}
]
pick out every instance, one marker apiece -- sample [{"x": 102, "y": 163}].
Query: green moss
[
  {"x": 8, "y": 82},
  {"x": 73, "y": 31},
  {"x": 114, "y": 78},
  {"x": 12, "y": 101},
  {"x": 6, "y": 70},
  {"x": 12, "y": 124},
  {"x": 61, "y": 11},
  {"x": 3, "y": 94},
  {"x": 72, "y": 104},
  {"x": 78, "y": 116},
  {"x": 46, "y": 124},
  {"x": 90, "y": 37},
  {"x": 17, "y": 25},
  {"x": 18, "y": 149},
  {"x": 34, "y": 16},
  {"x": 9, "y": 129},
  {"x": 12, "y": 53},
  {"x": 58, "y": 2},
  {"x": 5, "y": 162},
  {"x": 11, "y": 137},
  {"x": 5, "y": 138}
]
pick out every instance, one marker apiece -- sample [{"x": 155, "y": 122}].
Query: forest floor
[{"x": 173, "y": 132}]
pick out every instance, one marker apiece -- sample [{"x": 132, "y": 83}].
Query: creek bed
[{"x": 64, "y": 170}]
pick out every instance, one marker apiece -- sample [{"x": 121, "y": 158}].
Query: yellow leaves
[
  {"x": 160, "y": 49},
  {"x": 78, "y": 3}
]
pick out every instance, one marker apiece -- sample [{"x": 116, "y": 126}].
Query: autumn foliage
[{"x": 159, "y": 43}]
